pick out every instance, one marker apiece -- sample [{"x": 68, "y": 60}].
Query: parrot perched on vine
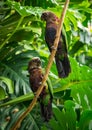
[
  {"x": 46, "y": 96},
  {"x": 61, "y": 57}
]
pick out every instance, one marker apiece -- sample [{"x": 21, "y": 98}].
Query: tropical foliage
[{"x": 21, "y": 38}]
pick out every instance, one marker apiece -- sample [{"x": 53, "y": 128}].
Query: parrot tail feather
[
  {"x": 63, "y": 66},
  {"x": 46, "y": 111}
]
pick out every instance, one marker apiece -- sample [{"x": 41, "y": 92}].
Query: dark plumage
[
  {"x": 35, "y": 79},
  {"x": 61, "y": 57}
]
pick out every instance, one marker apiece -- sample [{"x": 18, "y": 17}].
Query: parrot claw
[
  {"x": 40, "y": 83},
  {"x": 34, "y": 93},
  {"x": 53, "y": 48}
]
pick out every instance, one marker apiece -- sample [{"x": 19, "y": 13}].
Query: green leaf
[
  {"x": 20, "y": 9},
  {"x": 2, "y": 93},
  {"x": 24, "y": 10},
  {"x": 26, "y": 97},
  {"x": 85, "y": 120},
  {"x": 60, "y": 117},
  {"x": 13, "y": 68},
  {"x": 77, "y": 46},
  {"x": 44, "y": 128},
  {"x": 54, "y": 125},
  {"x": 72, "y": 19},
  {"x": 21, "y": 38},
  {"x": 70, "y": 113},
  {"x": 82, "y": 89},
  {"x": 9, "y": 83},
  {"x": 67, "y": 24}
]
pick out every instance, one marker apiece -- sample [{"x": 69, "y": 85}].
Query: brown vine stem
[{"x": 18, "y": 123}]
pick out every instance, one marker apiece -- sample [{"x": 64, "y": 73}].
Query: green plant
[{"x": 21, "y": 38}]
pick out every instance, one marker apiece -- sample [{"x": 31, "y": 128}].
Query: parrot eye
[
  {"x": 44, "y": 16},
  {"x": 38, "y": 62}
]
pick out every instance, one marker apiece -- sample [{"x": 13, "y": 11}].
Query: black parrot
[
  {"x": 46, "y": 96},
  {"x": 61, "y": 57}
]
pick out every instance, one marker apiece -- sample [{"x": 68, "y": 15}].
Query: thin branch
[{"x": 18, "y": 123}]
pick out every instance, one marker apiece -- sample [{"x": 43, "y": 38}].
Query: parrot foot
[
  {"x": 34, "y": 93},
  {"x": 40, "y": 83},
  {"x": 53, "y": 48}
]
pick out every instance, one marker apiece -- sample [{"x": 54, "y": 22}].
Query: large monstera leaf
[
  {"x": 11, "y": 114},
  {"x": 81, "y": 86},
  {"x": 14, "y": 66},
  {"x": 15, "y": 82},
  {"x": 80, "y": 83}
]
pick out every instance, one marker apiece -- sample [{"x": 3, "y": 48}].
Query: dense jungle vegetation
[{"x": 21, "y": 39}]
